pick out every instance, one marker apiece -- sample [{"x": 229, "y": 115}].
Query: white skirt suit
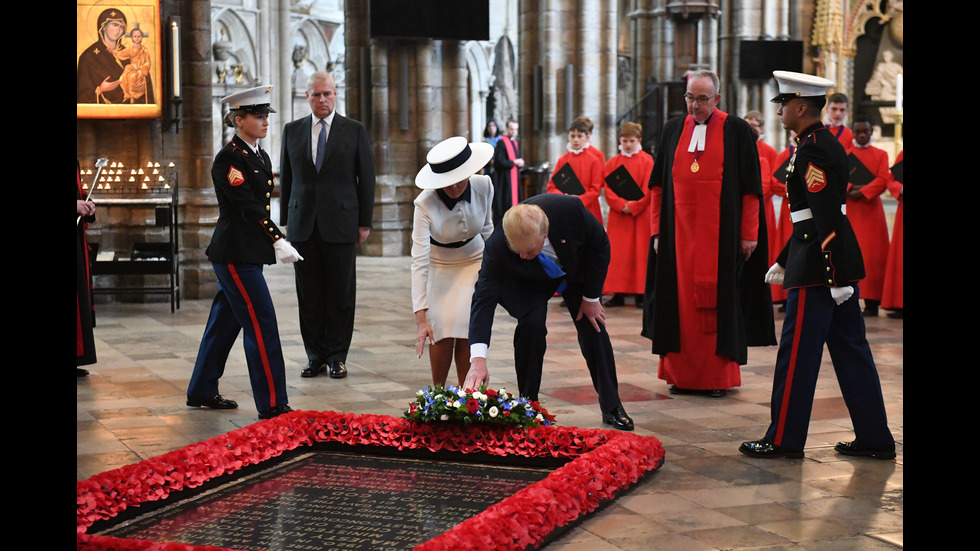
[{"x": 447, "y": 250}]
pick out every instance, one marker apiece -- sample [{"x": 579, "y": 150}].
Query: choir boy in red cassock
[
  {"x": 587, "y": 167},
  {"x": 784, "y": 223},
  {"x": 867, "y": 214},
  {"x": 767, "y": 160},
  {"x": 892, "y": 293},
  {"x": 589, "y": 146},
  {"x": 629, "y": 220}
]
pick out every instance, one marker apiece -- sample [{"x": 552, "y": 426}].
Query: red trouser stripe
[
  {"x": 259, "y": 341},
  {"x": 791, "y": 369}
]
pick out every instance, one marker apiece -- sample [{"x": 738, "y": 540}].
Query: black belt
[{"x": 455, "y": 245}]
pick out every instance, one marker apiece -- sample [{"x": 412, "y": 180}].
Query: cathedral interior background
[{"x": 543, "y": 64}]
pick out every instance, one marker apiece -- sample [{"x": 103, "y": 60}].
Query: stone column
[{"x": 192, "y": 150}]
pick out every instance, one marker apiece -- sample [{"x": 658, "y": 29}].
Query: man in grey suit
[{"x": 327, "y": 202}]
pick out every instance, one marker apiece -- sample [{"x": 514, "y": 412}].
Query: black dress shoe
[
  {"x": 274, "y": 411},
  {"x": 314, "y": 368},
  {"x": 79, "y": 372},
  {"x": 214, "y": 402},
  {"x": 618, "y": 419},
  {"x": 337, "y": 370},
  {"x": 897, "y": 314},
  {"x": 762, "y": 448},
  {"x": 717, "y": 393},
  {"x": 639, "y": 301},
  {"x": 616, "y": 300},
  {"x": 877, "y": 452}
]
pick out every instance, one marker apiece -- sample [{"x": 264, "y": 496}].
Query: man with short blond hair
[{"x": 549, "y": 243}]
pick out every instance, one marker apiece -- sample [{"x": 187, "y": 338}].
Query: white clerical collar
[
  {"x": 698, "y": 137},
  {"x": 570, "y": 149}
]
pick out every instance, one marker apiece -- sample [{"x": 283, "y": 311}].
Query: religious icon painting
[{"x": 118, "y": 53}]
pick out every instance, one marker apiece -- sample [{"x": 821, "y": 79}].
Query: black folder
[
  {"x": 567, "y": 182},
  {"x": 623, "y": 184},
  {"x": 859, "y": 174},
  {"x": 898, "y": 171}
]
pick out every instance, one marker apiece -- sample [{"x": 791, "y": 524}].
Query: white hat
[
  {"x": 254, "y": 100},
  {"x": 799, "y": 85},
  {"x": 451, "y": 161}
]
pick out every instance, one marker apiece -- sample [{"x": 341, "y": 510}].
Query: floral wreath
[
  {"x": 485, "y": 405},
  {"x": 601, "y": 463}
]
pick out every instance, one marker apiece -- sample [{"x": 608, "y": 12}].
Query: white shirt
[{"x": 315, "y": 130}]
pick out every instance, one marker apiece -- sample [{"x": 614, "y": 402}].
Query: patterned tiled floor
[{"x": 706, "y": 496}]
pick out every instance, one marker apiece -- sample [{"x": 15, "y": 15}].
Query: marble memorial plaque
[{"x": 332, "y": 500}]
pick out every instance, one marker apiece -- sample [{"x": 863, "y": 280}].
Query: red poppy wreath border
[{"x": 602, "y": 462}]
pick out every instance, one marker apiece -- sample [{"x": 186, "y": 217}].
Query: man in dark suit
[
  {"x": 549, "y": 243},
  {"x": 327, "y": 200}
]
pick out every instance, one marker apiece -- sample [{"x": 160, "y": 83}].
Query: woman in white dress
[{"x": 453, "y": 218}]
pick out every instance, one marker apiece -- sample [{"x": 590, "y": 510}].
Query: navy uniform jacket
[
  {"x": 243, "y": 183},
  {"x": 823, "y": 249},
  {"x": 582, "y": 248}
]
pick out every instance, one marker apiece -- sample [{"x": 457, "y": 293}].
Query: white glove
[
  {"x": 775, "y": 274},
  {"x": 841, "y": 294},
  {"x": 286, "y": 253}
]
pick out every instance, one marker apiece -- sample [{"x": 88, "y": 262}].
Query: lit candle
[
  {"x": 898, "y": 92},
  {"x": 175, "y": 47}
]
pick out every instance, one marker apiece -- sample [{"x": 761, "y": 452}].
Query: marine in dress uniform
[
  {"x": 820, "y": 267},
  {"x": 244, "y": 239}
]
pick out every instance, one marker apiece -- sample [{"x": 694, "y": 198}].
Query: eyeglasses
[{"x": 702, "y": 99}]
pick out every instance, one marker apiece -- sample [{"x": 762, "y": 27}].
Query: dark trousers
[
  {"x": 243, "y": 305},
  {"x": 326, "y": 284},
  {"x": 812, "y": 319},
  {"x": 528, "y": 303}
]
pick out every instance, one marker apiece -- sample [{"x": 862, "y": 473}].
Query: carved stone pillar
[
  {"x": 415, "y": 95},
  {"x": 558, "y": 41}
]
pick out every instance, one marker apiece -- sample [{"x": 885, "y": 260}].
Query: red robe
[
  {"x": 892, "y": 292},
  {"x": 697, "y": 207},
  {"x": 767, "y": 158},
  {"x": 867, "y": 216},
  {"x": 588, "y": 169},
  {"x": 629, "y": 234},
  {"x": 595, "y": 151}
]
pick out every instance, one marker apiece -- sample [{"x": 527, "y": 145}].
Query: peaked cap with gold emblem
[{"x": 254, "y": 100}]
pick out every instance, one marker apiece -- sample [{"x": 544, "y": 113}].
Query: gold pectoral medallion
[{"x": 694, "y": 166}]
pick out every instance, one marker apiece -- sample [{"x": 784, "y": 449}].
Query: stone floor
[{"x": 706, "y": 496}]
